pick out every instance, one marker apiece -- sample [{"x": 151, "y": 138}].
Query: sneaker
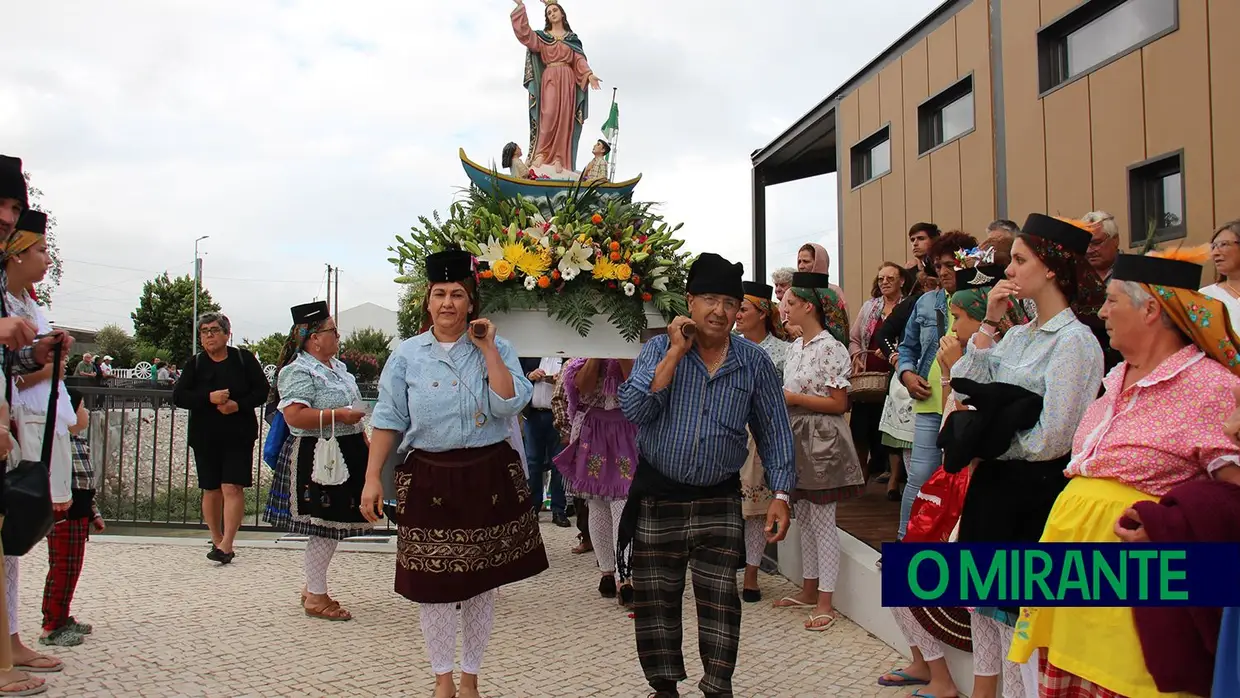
[
  {"x": 64, "y": 636},
  {"x": 79, "y": 628}
]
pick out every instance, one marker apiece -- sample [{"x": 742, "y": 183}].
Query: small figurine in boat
[
  {"x": 511, "y": 159},
  {"x": 597, "y": 169}
]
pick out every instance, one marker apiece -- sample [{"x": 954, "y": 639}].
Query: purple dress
[{"x": 601, "y": 455}]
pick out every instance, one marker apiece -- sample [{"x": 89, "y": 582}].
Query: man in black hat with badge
[{"x": 691, "y": 394}]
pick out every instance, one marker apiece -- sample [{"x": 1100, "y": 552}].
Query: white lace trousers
[
  {"x": 916, "y": 635},
  {"x": 319, "y": 552},
  {"x": 755, "y": 541},
  {"x": 11, "y": 577},
  {"x": 820, "y": 543},
  {"x": 991, "y": 641},
  {"x": 439, "y": 624},
  {"x": 604, "y": 525}
]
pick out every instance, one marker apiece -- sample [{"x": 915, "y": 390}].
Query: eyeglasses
[
  {"x": 210, "y": 331},
  {"x": 1095, "y": 244},
  {"x": 329, "y": 330},
  {"x": 1222, "y": 244}
]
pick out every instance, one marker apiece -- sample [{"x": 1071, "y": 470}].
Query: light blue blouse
[
  {"x": 1061, "y": 361},
  {"x": 310, "y": 382},
  {"x": 436, "y": 397}
]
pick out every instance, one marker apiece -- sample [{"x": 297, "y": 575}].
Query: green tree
[
  {"x": 371, "y": 341},
  {"x": 164, "y": 316},
  {"x": 268, "y": 348},
  {"x": 114, "y": 341},
  {"x": 51, "y": 282},
  {"x": 409, "y": 309}
]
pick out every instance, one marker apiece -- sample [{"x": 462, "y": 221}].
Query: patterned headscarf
[
  {"x": 1202, "y": 319},
  {"x": 773, "y": 324},
  {"x": 834, "y": 318},
  {"x": 1077, "y": 280}
]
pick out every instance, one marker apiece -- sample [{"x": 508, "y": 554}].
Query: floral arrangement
[
  {"x": 976, "y": 257},
  {"x": 364, "y": 367},
  {"x": 581, "y": 259}
]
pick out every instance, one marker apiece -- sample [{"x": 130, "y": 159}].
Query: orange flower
[
  {"x": 614, "y": 245},
  {"x": 615, "y": 256},
  {"x": 555, "y": 274},
  {"x": 543, "y": 282},
  {"x": 646, "y": 297},
  {"x": 596, "y": 219},
  {"x": 636, "y": 280},
  {"x": 486, "y": 274}
]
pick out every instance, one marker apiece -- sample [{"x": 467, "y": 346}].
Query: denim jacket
[{"x": 925, "y": 328}]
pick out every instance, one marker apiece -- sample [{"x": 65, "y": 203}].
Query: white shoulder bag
[{"x": 329, "y": 466}]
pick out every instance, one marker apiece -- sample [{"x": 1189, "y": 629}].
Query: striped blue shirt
[{"x": 693, "y": 430}]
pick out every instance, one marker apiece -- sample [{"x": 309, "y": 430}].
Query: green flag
[{"x": 612, "y": 125}]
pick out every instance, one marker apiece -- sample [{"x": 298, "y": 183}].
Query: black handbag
[{"x": 28, "y": 516}]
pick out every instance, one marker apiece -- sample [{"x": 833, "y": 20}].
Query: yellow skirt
[{"x": 1098, "y": 644}]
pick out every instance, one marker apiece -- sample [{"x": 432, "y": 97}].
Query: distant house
[
  {"x": 366, "y": 315},
  {"x": 83, "y": 339}
]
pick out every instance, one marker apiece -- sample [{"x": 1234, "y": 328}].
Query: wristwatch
[
  {"x": 783, "y": 497},
  {"x": 992, "y": 323}
]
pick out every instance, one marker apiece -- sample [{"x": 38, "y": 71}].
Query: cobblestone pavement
[{"x": 170, "y": 623}]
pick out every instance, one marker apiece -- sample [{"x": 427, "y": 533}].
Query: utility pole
[
  {"x": 193, "y": 321},
  {"x": 329, "y": 288},
  {"x": 336, "y": 302}
]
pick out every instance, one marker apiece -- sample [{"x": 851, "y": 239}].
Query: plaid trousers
[
  {"x": 66, "y": 550},
  {"x": 707, "y": 537}
]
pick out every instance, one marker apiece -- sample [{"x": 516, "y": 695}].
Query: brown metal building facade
[{"x": 997, "y": 108}]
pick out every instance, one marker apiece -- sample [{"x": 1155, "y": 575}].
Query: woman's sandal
[
  {"x": 33, "y": 687},
  {"x": 329, "y": 611},
  {"x": 57, "y": 666},
  {"x": 813, "y": 625}
]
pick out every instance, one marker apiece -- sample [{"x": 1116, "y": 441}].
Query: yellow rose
[
  {"x": 622, "y": 271},
  {"x": 502, "y": 269}
]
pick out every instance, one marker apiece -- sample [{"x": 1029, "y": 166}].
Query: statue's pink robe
[{"x": 564, "y": 70}]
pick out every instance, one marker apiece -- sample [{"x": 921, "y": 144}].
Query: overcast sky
[{"x": 302, "y": 133}]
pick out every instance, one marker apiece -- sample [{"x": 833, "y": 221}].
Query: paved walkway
[{"x": 170, "y": 623}]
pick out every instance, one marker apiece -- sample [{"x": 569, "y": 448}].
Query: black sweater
[{"x": 242, "y": 375}]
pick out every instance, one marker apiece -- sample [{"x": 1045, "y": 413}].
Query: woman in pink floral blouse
[{"x": 1157, "y": 426}]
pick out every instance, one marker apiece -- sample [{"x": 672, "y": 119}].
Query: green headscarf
[{"x": 835, "y": 319}]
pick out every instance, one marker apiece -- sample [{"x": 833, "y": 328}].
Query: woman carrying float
[{"x": 464, "y": 519}]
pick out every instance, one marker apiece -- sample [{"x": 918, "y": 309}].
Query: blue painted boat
[{"x": 489, "y": 179}]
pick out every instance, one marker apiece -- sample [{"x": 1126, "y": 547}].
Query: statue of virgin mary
[{"x": 556, "y": 76}]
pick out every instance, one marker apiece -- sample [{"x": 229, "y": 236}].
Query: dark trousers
[
  {"x": 582, "y": 509},
  {"x": 542, "y": 443},
  {"x": 706, "y": 537}
]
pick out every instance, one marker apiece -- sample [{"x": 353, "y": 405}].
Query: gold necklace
[{"x": 712, "y": 367}]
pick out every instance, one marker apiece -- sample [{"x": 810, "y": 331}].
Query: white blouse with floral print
[{"x": 816, "y": 366}]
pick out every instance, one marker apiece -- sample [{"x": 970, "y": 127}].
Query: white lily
[
  {"x": 492, "y": 252},
  {"x": 577, "y": 259},
  {"x": 659, "y": 281},
  {"x": 539, "y": 231}
]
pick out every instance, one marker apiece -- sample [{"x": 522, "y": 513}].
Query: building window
[
  {"x": 1098, "y": 32},
  {"x": 1156, "y": 199},
  {"x": 871, "y": 157},
  {"x": 946, "y": 116}
]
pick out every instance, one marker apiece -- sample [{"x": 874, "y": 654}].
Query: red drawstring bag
[{"x": 937, "y": 507}]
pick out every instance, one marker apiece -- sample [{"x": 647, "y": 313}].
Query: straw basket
[{"x": 869, "y": 386}]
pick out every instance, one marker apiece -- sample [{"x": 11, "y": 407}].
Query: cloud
[{"x": 297, "y": 134}]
